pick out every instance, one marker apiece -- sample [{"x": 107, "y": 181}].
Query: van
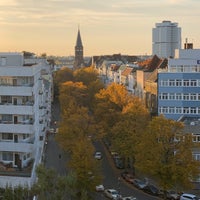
[{"x": 188, "y": 197}]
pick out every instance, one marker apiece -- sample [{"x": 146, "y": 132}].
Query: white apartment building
[
  {"x": 25, "y": 111},
  {"x": 166, "y": 37}
]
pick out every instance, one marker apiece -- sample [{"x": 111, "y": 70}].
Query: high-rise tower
[
  {"x": 166, "y": 38},
  {"x": 79, "y": 61}
]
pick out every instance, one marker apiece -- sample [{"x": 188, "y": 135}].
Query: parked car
[
  {"x": 119, "y": 162},
  {"x": 112, "y": 194},
  {"x": 98, "y": 155},
  {"x": 172, "y": 195},
  {"x": 186, "y": 196},
  {"x": 100, "y": 188},
  {"x": 129, "y": 198},
  {"x": 138, "y": 183},
  {"x": 151, "y": 189},
  {"x": 127, "y": 176}
]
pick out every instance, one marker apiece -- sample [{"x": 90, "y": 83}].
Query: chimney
[{"x": 188, "y": 45}]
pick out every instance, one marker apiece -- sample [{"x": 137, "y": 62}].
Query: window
[
  {"x": 3, "y": 61},
  {"x": 193, "y": 97},
  {"x": 193, "y": 110},
  {"x": 186, "y": 83},
  {"x": 171, "y": 82},
  {"x": 6, "y": 99},
  {"x": 171, "y": 109},
  {"x": 7, "y": 118},
  {"x": 7, "y": 156},
  {"x": 171, "y": 96},
  {"x": 193, "y": 83},
  {"x": 186, "y": 110},
  {"x": 178, "y": 96},
  {"x": 178, "y": 110},
  {"x": 7, "y": 136},
  {"x": 164, "y": 96},
  {"x": 186, "y": 97},
  {"x": 164, "y": 83},
  {"x": 178, "y": 83}
]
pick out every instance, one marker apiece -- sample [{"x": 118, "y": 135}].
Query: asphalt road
[{"x": 111, "y": 178}]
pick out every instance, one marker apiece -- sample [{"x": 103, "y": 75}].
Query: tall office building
[
  {"x": 166, "y": 37},
  {"x": 179, "y": 86},
  {"x": 78, "y": 61},
  {"x": 25, "y": 112}
]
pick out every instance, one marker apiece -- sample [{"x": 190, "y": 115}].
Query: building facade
[
  {"x": 179, "y": 86},
  {"x": 166, "y": 37},
  {"x": 25, "y": 111}
]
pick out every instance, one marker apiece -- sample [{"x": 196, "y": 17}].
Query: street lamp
[{"x": 119, "y": 180}]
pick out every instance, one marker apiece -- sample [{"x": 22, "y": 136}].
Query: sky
[{"x": 106, "y": 26}]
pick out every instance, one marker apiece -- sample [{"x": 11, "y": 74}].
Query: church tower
[{"x": 79, "y": 61}]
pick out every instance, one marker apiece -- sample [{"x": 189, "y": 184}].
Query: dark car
[
  {"x": 127, "y": 176},
  {"x": 138, "y": 183},
  {"x": 151, "y": 189},
  {"x": 119, "y": 162}
]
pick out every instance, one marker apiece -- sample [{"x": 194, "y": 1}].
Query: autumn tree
[
  {"x": 61, "y": 76},
  {"x": 167, "y": 159},
  {"x": 109, "y": 105},
  {"x": 86, "y": 75},
  {"x": 126, "y": 132}
]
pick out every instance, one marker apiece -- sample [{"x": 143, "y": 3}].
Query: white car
[
  {"x": 100, "y": 188},
  {"x": 98, "y": 155},
  {"x": 129, "y": 198},
  {"x": 188, "y": 197},
  {"x": 112, "y": 194}
]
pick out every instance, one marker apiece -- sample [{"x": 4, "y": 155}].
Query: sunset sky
[{"x": 106, "y": 26}]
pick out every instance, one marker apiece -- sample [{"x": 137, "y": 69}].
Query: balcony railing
[
  {"x": 19, "y": 122},
  {"x": 9, "y": 170},
  {"x": 28, "y": 103},
  {"x": 18, "y": 84}
]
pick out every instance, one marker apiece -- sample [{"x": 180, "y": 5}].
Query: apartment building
[
  {"x": 179, "y": 86},
  {"x": 25, "y": 111}
]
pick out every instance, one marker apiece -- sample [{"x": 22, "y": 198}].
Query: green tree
[
  {"x": 53, "y": 187},
  {"x": 167, "y": 159}
]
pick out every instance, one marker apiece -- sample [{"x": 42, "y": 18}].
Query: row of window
[
  {"x": 180, "y": 96},
  {"x": 184, "y": 68},
  {"x": 179, "y": 110},
  {"x": 179, "y": 83},
  {"x": 10, "y": 136}
]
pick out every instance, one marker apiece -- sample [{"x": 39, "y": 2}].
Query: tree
[
  {"x": 53, "y": 187},
  {"x": 126, "y": 133},
  {"x": 86, "y": 75},
  {"x": 168, "y": 160},
  {"x": 109, "y": 105},
  {"x": 61, "y": 76}
]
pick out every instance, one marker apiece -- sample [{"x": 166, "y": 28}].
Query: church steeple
[{"x": 79, "y": 61}]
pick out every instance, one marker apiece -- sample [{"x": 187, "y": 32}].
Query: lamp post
[{"x": 119, "y": 181}]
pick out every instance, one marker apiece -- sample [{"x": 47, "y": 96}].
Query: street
[{"x": 56, "y": 159}]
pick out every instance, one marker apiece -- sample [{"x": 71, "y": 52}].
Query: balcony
[
  {"x": 9, "y": 126},
  {"x": 16, "y": 90},
  {"x": 16, "y": 109},
  {"x": 16, "y": 147},
  {"x": 7, "y": 169}
]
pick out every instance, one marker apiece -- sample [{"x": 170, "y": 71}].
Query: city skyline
[{"x": 106, "y": 27}]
